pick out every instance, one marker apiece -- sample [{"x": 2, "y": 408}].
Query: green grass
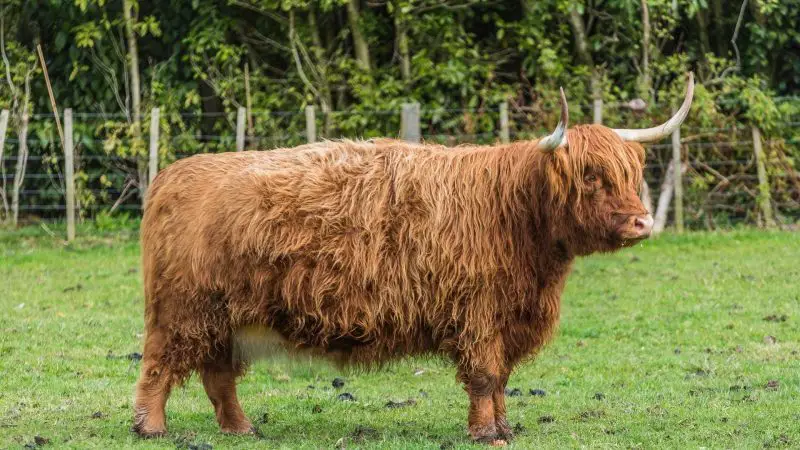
[{"x": 672, "y": 333}]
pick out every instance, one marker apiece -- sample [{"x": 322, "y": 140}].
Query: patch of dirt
[
  {"x": 513, "y": 392},
  {"x": 546, "y": 419},
  {"x": 591, "y": 414},
  {"x": 185, "y": 441},
  {"x": 363, "y": 433},
  {"x": 394, "y": 405},
  {"x": 77, "y": 287},
  {"x": 772, "y": 385},
  {"x": 770, "y": 340},
  {"x": 776, "y": 318},
  {"x": 203, "y": 446},
  {"x": 135, "y": 356},
  {"x": 98, "y": 415},
  {"x": 698, "y": 373},
  {"x": 345, "y": 397},
  {"x": 779, "y": 441},
  {"x": 38, "y": 441},
  {"x": 316, "y": 409},
  {"x": 537, "y": 392}
]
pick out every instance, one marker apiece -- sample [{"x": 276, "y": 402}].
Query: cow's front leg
[
  {"x": 482, "y": 376},
  {"x": 503, "y": 429}
]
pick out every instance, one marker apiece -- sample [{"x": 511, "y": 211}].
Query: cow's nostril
[{"x": 643, "y": 224}]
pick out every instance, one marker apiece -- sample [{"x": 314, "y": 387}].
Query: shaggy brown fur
[{"x": 369, "y": 251}]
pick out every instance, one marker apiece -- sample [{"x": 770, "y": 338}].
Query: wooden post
[
  {"x": 3, "y": 128},
  {"x": 69, "y": 173},
  {"x": 311, "y": 124},
  {"x": 677, "y": 179},
  {"x": 409, "y": 123},
  {"x": 505, "y": 134},
  {"x": 154, "y": 128},
  {"x": 597, "y": 111},
  {"x": 764, "y": 201},
  {"x": 240, "y": 114}
]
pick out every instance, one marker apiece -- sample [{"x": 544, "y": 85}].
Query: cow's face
[
  {"x": 599, "y": 177},
  {"x": 614, "y": 216},
  {"x": 590, "y": 178}
]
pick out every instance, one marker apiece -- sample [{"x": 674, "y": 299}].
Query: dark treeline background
[{"x": 357, "y": 61}]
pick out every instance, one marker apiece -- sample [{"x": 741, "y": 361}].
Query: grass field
[{"x": 682, "y": 342}]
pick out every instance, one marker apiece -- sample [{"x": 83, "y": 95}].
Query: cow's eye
[{"x": 590, "y": 178}]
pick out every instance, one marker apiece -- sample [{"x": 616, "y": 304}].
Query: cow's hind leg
[
  {"x": 219, "y": 381},
  {"x": 153, "y": 388}
]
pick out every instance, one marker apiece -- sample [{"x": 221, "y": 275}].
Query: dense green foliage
[
  {"x": 692, "y": 342},
  {"x": 357, "y": 61}
]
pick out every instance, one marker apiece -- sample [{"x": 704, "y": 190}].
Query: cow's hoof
[
  {"x": 243, "y": 429},
  {"x": 492, "y": 439},
  {"x": 148, "y": 434},
  {"x": 504, "y": 432}
]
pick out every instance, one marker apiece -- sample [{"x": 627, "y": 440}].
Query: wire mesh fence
[{"x": 720, "y": 184}]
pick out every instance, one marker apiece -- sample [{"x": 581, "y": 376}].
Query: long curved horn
[
  {"x": 665, "y": 129},
  {"x": 559, "y": 136}
]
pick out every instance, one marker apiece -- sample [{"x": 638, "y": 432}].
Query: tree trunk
[
  {"x": 22, "y": 159},
  {"x": 582, "y": 47},
  {"x": 720, "y": 38},
  {"x": 646, "y": 83},
  {"x": 359, "y": 42},
  {"x": 644, "y": 195},
  {"x": 702, "y": 25},
  {"x": 665, "y": 198},
  {"x": 136, "y": 97},
  {"x": 402, "y": 46},
  {"x": 326, "y": 102}
]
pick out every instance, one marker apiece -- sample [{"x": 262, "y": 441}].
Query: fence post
[
  {"x": 764, "y": 201},
  {"x": 19, "y": 171},
  {"x": 240, "y": 114},
  {"x": 69, "y": 173},
  {"x": 409, "y": 123},
  {"x": 505, "y": 135},
  {"x": 3, "y": 128},
  {"x": 311, "y": 124},
  {"x": 597, "y": 110},
  {"x": 154, "y": 128},
  {"x": 677, "y": 179}
]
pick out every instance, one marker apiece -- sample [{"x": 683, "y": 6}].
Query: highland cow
[{"x": 364, "y": 252}]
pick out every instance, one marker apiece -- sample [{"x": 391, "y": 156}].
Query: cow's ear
[{"x": 639, "y": 150}]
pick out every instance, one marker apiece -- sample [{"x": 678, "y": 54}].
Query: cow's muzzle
[{"x": 637, "y": 227}]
